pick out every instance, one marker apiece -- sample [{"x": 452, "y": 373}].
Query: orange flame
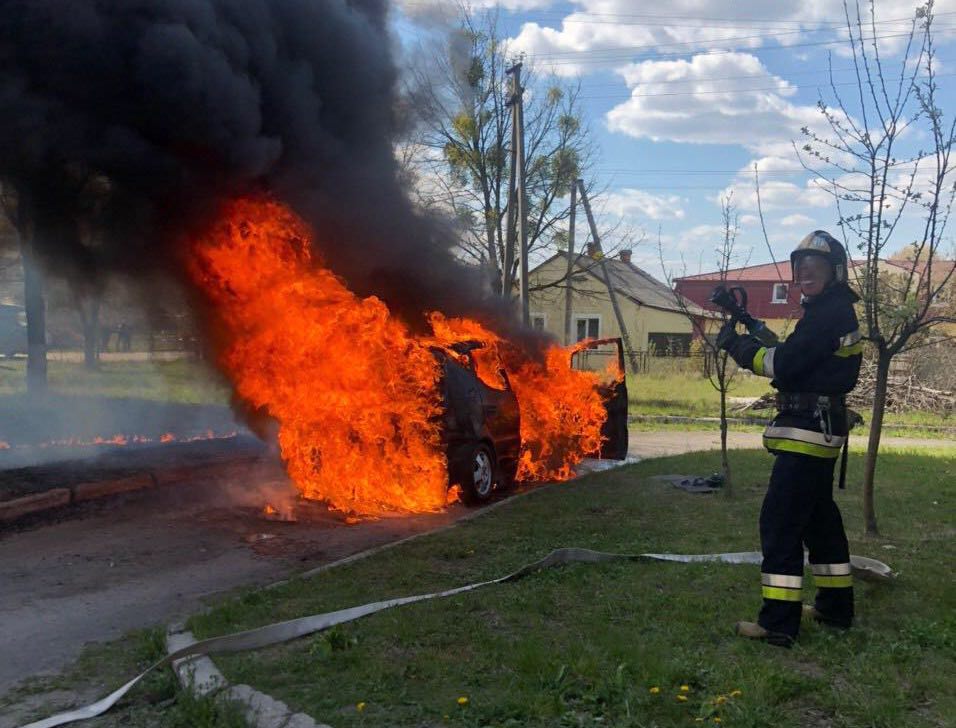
[
  {"x": 118, "y": 439},
  {"x": 355, "y": 396},
  {"x": 561, "y": 409},
  {"x": 354, "y": 392}
]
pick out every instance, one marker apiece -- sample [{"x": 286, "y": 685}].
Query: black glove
[
  {"x": 727, "y": 335},
  {"x": 742, "y": 350}
]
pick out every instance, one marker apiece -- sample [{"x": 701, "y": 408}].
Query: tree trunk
[
  {"x": 36, "y": 322},
  {"x": 724, "y": 460},
  {"x": 91, "y": 334},
  {"x": 873, "y": 446},
  {"x": 495, "y": 271}
]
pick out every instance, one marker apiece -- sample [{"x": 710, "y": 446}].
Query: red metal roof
[{"x": 766, "y": 272}]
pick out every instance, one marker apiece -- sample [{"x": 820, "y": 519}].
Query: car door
[{"x": 606, "y": 356}]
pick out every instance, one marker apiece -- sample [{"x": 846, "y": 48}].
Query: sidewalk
[{"x": 675, "y": 442}]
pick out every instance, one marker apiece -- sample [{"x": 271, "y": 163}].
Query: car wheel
[{"x": 479, "y": 480}]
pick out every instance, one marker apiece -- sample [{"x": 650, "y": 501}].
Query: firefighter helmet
[{"x": 821, "y": 243}]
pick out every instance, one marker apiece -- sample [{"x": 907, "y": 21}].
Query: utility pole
[
  {"x": 628, "y": 349},
  {"x": 568, "y": 333},
  {"x": 518, "y": 185}
]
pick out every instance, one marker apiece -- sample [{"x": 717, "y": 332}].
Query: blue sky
[{"x": 684, "y": 97}]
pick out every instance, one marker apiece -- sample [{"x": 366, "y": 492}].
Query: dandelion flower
[
  {"x": 735, "y": 693},
  {"x": 685, "y": 688},
  {"x": 655, "y": 690},
  {"x": 463, "y": 700},
  {"x": 682, "y": 698},
  {"x": 360, "y": 707},
  {"x": 721, "y": 699}
]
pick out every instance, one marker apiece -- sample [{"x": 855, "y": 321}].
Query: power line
[
  {"x": 758, "y": 36},
  {"x": 624, "y": 53},
  {"x": 707, "y": 79},
  {"x": 728, "y": 91},
  {"x": 585, "y": 17},
  {"x": 639, "y": 18},
  {"x": 694, "y": 172}
]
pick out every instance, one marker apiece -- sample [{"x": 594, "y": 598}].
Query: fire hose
[{"x": 273, "y": 634}]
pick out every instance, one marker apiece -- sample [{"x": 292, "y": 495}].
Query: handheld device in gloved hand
[{"x": 734, "y": 301}]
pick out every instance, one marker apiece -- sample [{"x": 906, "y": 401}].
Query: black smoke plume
[{"x": 174, "y": 105}]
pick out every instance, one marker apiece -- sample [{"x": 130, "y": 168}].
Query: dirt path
[{"x": 152, "y": 557}]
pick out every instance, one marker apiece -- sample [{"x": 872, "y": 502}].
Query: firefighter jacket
[{"x": 813, "y": 369}]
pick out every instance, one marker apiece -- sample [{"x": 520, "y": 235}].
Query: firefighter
[{"x": 812, "y": 370}]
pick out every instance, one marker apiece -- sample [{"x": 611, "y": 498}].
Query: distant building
[
  {"x": 652, "y": 314},
  {"x": 771, "y": 296}
]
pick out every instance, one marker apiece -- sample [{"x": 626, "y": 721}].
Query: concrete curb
[
  {"x": 200, "y": 676},
  {"x": 104, "y": 488},
  {"x": 16, "y": 508},
  {"x": 13, "y": 509}
]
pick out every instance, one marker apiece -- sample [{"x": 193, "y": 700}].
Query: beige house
[{"x": 650, "y": 309}]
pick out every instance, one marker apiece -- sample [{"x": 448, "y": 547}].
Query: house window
[
  {"x": 588, "y": 327},
  {"x": 780, "y": 291},
  {"x": 537, "y": 321}
]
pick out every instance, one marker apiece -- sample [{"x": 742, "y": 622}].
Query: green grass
[
  {"x": 677, "y": 392},
  {"x": 583, "y": 645},
  {"x": 686, "y": 395},
  {"x": 182, "y": 381}
]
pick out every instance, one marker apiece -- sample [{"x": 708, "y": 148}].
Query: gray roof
[{"x": 638, "y": 285}]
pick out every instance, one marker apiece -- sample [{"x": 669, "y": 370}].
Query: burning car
[
  {"x": 482, "y": 422},
  {"x": 481, "y": 425}
]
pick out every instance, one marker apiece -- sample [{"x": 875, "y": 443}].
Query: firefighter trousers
[{"x": 799, "y": 511}]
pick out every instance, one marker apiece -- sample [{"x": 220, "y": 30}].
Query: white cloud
[
  {"x": 445, "y": 8},
  {"x": 764, "y": 122},
  {"x": 602, "y": 33},
  {"x": 606, "y": 33},
  {"x": 630, "y": 202},
  {"x": 771, "y": 165},
  {"x": 711, "y": 112},
  {"x": 796, "y": 220},
  {"x": 893, "y": 18},
  {"x": 777, "y": 195}
]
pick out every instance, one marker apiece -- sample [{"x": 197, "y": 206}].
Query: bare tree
[
  {"x": 463, "y": 145},
  {"x": 87, "y": 290},
  {"x": 718, "y": 366},
  {"x": 884, "y": 193}
]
